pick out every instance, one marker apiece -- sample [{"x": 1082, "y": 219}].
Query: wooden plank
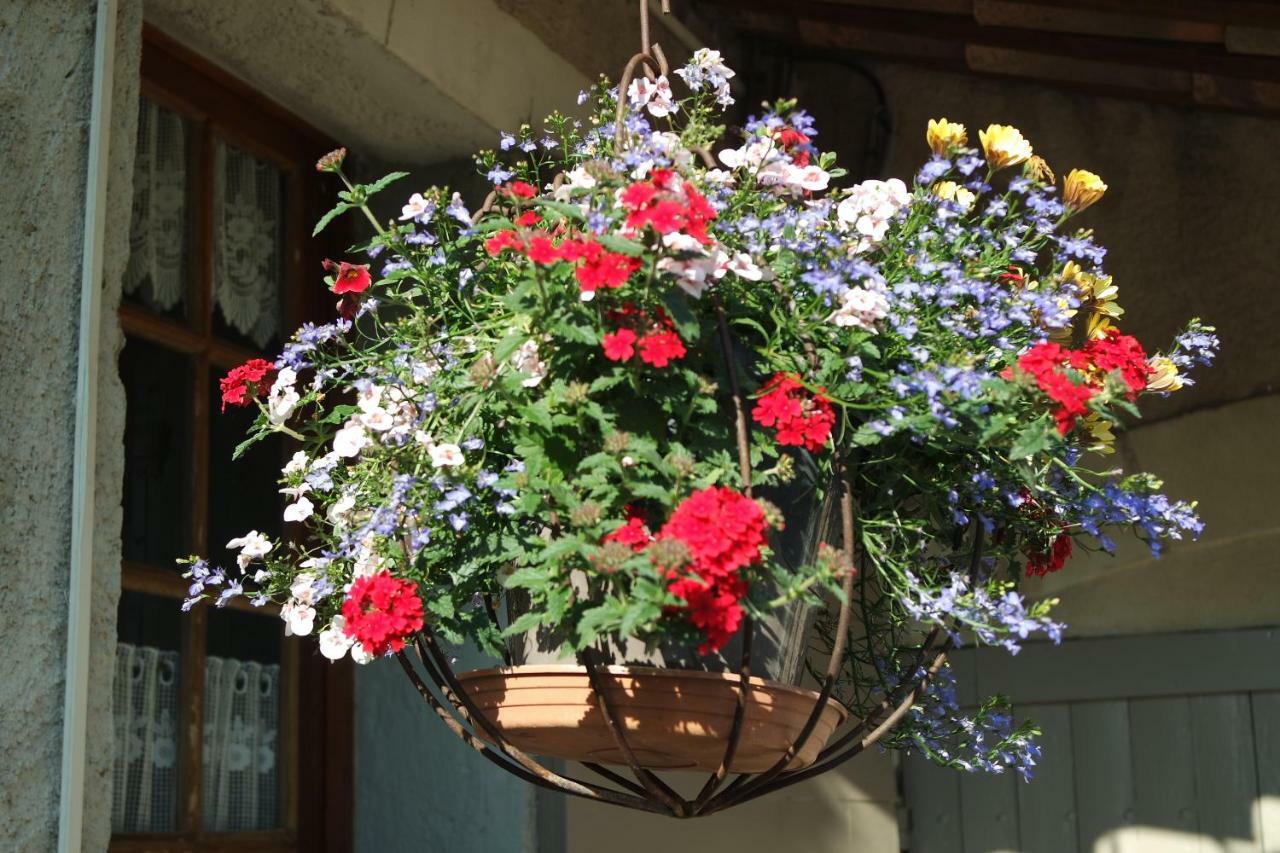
[
  {"x": 1142, "y": 666},
  {"x": 1163, "y": 771},
  {"x": 1047, "y": 806},
  {"x": 1103, "y": 769},
  {"x": 1266, "y": 744},
  {"x": 1226, "y": 772},
  {"x": 990, "y": 807},
  {"x": 1086, "y": 70},
  {"x": 933, "y": 796},
  {"x": 1032, "y": 15}
]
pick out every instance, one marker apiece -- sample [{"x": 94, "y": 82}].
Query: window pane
[
  {"x": 157, "y": 442},
  {"x": 248, "y": 248},
  {"x": 160, "y": 233},
  {"x": 145, "y": 708},
  {"x": 243, "y": 494},
  {"x": 241, "y": 722}
]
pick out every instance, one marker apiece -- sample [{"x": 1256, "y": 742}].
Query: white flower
[
  {"x": 422, "y": 437},
  {"x": 297, "y": 464},
  {"x": 695, "y": 275},
  {"x": 370, "y": 399},
  {"x": 743, "y": 267},
  {"x": 861, "y": 308},
  {"x": 446, "y": 455},
  {"x": 251, "y": 546},
  {"x": 654, "y": 95},
  {"x": 299, "y": 510},
  {"x": 334, "y": 642},
  {"x": 368, "y": 561},
  {"x": 416, "y": 207},
  {"x": 298, "y": 618},
  {"x": 718, "y": 176},
  {"x": 360, "y": 655},
  {"x": 378, "y": 420},
  {"x": 280, "y": 404},
  {"x": 303, "y": 588},
  {"x": 526, "y": 360},
  {"x": 627, "y": 461},
  {"x": 810, "y": 178},
  {"x": 340, "y": 509},
  {"x": 870, "y": 208},
  {"x": 677, "y": 241},
  {"x": 753, "y": 155},
  {"x": 351, "y": 439}
]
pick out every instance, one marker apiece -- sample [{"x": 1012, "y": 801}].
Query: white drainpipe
[{"x": 80, "y": 588}]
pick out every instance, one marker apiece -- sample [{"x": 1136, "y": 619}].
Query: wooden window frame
[{"x": 316, "y": 785}]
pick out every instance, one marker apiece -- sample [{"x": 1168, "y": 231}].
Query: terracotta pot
[{"x": 673, "y": 719}]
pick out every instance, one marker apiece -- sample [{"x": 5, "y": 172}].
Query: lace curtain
[
  {"x": 158, "y": 232},
  {"x": 241, "y": 725},
  {"x": 247, "y": 241},
  {"x": 145, "y": 703},
  {"x": 241, "y": 722}
]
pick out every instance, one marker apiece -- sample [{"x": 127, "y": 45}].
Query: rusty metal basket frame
[{"x": 648, "y": 792}]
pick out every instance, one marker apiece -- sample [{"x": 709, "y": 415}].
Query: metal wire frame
[{"x": 649, "y": 792}]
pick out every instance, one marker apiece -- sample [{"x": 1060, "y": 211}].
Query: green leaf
[
  {"x": 328, "y": 217},
  {"x": 526, "y": 622},
  {"x": 382, "y": 183},
  {"x": 1034, "y": 438},
  {"x": 569, "y": 211},
  {"x": 622, "y": 245},
  {"x": 682, "y": 314}
]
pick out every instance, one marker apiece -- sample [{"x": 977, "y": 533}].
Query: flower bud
[
  {"x": 1037, "y": 169},
  {"x": 617, "y": 442},
  {"x": 585, "y": 514},
  {"x": 332, "y": 161}
]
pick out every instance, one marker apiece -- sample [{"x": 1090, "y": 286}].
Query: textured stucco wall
[{"x": 45, "y": 83}]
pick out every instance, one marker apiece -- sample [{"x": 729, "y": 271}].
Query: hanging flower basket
[
  {"x": 669, "y": 719},
  {"x": 672, "y": 396}
]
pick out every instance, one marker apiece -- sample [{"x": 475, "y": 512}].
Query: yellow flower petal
[
  {"x": 1004, "y": 146},
  {"x": 944, "y": 135},
  {"x": 1081, "y": 189}
]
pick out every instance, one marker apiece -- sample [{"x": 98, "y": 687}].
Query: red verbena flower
[
  {"x": 634, "y": 534},
  {"x": 712, "y": 608},
  {"x": 659, "y": 349},
  {"x": 1116, "y": 352},
  {"x": 1040, "y": 564},
  {"x": 542, "y": 251},
  {"x": 520, "y": 189},
  {"x": 620, "y": 345},
  {"x": 247, "y": 381},
  {"x": 528, "y": 219},
  {"x": 349, "y": 278},
  {"x": 601, "y": 268},
  {"x": 799, "y": 419},
  {"x": 381, "y": 611},
  {"x": 502, "y": 241}
]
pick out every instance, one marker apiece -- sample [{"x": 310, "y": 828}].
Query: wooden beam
[{"x": 1194, "y": 57}]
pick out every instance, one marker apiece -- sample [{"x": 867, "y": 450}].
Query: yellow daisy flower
[
  {"x": 1081, "y": 189},
  {"x": 1101, "y": 431},
  {"x": 944, "y": 135},
  {"x": 1164, "y": 376},
  {"x": 1004, "y": 146}
]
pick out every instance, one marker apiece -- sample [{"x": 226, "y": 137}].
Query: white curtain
[
  {"x": 247, "y": 243},
  {"x": 241, "y": 721},
  {"x": 158, "y": 233},
  {"x": 146, "y": 711}
]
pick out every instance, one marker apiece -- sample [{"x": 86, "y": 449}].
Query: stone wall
[{"x": 45, "y": 90}]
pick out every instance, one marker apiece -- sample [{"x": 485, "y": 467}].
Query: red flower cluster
[
  {"x": 724, "y": 531},
  {"x": 634, "y": 534},
  {"x": 381, "y": 611},
  {"x": 796, "y": 145},
  {"x": 1040, "y": 564},
  {"x": 596, "y": 266},
  {"x": 800, "y": 419},
  {"x": 243, "y": 383},
  {"x": 1112, "y": 353},
  {"x": 668, "y": 204},
  {"x": 1116, "y": 352},
  {"x": 519, "y": 189},
  {"x": 657, "y": 340}
]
